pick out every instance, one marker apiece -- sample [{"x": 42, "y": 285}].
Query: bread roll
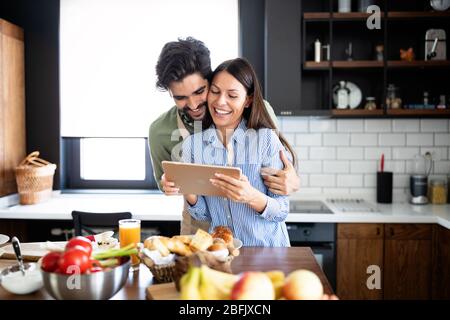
[
  {"x": 217, "y": 247},
  {"x": 186, "y": 239},
  {"x": 155, "y": 243},
  {"x": 178, "y": 247},
  {"x": 224, "y": 233},
  {"x": 201, "y": 240}
]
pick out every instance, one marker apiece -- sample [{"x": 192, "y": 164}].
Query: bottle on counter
[{"x": 438, "y": 191}]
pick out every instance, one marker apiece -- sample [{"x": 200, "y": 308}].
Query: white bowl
[{"x": 13, "y": 281}]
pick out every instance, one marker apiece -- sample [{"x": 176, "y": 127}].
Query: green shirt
[{"x": 164, "y": 136}]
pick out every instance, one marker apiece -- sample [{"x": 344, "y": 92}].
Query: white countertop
[{"x": 158, "y": 207}]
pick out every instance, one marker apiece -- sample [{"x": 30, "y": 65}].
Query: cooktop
[{"x": 308, "y": 206}]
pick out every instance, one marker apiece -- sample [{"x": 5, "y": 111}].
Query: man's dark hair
[{"x": 182, "y": 58}]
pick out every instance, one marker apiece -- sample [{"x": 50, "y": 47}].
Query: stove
[{"x": 308, "y": 206}]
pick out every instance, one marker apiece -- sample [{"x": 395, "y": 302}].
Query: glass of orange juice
[{"x": 130, "y": 232}]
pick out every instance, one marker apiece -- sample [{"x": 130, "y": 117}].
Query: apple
[
  {"x": 302, "y": 285},
  {"x": 253, "y": 286}
]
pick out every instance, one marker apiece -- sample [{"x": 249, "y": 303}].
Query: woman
[{"x": 239, "y": 133}]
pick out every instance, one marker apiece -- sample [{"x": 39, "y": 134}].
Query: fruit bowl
[{"x": 100, "y": 285}]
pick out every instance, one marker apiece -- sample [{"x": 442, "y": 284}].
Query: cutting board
[
  {"x": 31, "y": 251},
  {"x": 163, "y": 291}
]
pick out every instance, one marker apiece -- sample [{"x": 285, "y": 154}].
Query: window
[{"x": 108, "y": 53}]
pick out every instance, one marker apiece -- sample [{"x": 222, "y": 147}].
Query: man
[{"x": 183, "y": 69}]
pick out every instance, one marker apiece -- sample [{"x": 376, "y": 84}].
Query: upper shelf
[
  {"x": 418, "y": 63},
  {"x": 317, "y": 16},
  {"x": 363, "y": 64}
]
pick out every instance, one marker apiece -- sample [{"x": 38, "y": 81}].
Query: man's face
[{"x": 190, "y": 95}]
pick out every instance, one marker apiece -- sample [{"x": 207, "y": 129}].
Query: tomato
[
  {"x": 50, "y": 261},
  {"x": 74, "y": 260},
  {"x": 80, "y": 242}
]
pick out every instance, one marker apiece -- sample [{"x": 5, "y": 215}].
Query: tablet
[{"x": 194, "y": 178}]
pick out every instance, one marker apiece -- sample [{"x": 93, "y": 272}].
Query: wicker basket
[
  {"x": 161, "y": 273},
  {"x": 34, "y": 177}
]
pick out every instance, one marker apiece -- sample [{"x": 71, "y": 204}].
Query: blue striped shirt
[{"x": 252, "y": 150}]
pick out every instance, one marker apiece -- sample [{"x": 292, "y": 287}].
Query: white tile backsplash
[
  {"x": 295, "y": 124},
  {"x": 434, "y": 125},
  {"x": 346, "y": 125},
  {"x": 336, "y": 166},
  {"x": 378, "y": 125},
  {"x": 404, "y": 153},
  {"x": 309, "y": 166},
  {"x": 375, "y": 153},
  {"x": 322, "y": 180},
  {"x": 336, "y": 139},
  {"x": 322, "y": 125},
  {"x": 364, "y": 139},
  {"x": 419, "y": 139},
  {"x": 442, "y": 139},
  {"x": 322, "y": 153},
  {"x": 342, "y": 156},
  {"x": 350, "y": 180},
  {"x": 366, "y": 166},
  {"x": 344, "y": 153},
  {"x": 308, "y": 139},
  {"x": 391, "y": 139},
  {"x": 404, "y": 125}
]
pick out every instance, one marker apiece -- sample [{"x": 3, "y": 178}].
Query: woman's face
[{"x": 227, "y": 99}]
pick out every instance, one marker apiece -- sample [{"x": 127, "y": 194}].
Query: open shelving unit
[{"x": 403, "y": 25}]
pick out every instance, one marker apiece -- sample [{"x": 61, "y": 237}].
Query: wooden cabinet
[
  {"x": 359, "y": 246},
  {"x": 407, "y": 261},
  {"x": 12, "y": 104},
  {"x": 441, "y": 263},
  {"x": 402, "y": 251}
]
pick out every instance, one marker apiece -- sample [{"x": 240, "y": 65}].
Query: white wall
[{"x": 342, "y": 156}]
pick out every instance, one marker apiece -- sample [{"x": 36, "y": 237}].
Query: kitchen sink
[{"x": 308, "y": 206}]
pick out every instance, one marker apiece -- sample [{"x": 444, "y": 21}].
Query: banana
[
  {"x": 277, "y": 277},
  {"x": 189, "y": 284},
  {"x": 216, "y": 285}
]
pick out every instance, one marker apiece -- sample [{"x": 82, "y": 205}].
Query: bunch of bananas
[{"x": 204, "y": 283}]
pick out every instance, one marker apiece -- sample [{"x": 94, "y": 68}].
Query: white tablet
[{"x": 193, "y": 178}]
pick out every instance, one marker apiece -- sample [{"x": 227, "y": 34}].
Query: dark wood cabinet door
[
  {"x": 407, "y": 257},
  {"x": 359, "y": 246},
  {"x": 283, "y": 55},
  {"x": 441, "y": 263}
]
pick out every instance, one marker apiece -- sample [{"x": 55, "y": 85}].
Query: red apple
[
  {"x": 302, "y": 285},
  {"x": 253, "y": 286}
]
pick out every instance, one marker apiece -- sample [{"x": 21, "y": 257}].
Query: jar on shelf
[
  {"x": 370, "y": 103},
  {"x": 438, "y": 191},
  {"x": 393, "y": 100}
]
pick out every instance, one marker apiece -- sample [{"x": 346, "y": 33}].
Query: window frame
[{"x": 71, "y": 173}]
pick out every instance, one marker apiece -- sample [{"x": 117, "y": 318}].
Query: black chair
[{"x": 85, "y": 221}]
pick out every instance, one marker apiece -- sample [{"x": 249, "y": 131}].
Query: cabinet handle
[
  {"x": 391, "y": 231},
  {"x": 378, "y": 231}
]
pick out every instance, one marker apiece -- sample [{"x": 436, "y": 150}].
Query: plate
[
  {"x": 355, "y": 94},
  {"x": 3, "y": 238}
]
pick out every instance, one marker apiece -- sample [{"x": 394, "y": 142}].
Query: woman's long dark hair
[{"x": 256, "y": 114}]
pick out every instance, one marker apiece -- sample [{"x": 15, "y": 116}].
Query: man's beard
[{"x": 184, "y": 112}]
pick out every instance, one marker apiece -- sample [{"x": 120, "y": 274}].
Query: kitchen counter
[
  {"x": 261, "y": 259},
  {"x": 158, "y": 207}
]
